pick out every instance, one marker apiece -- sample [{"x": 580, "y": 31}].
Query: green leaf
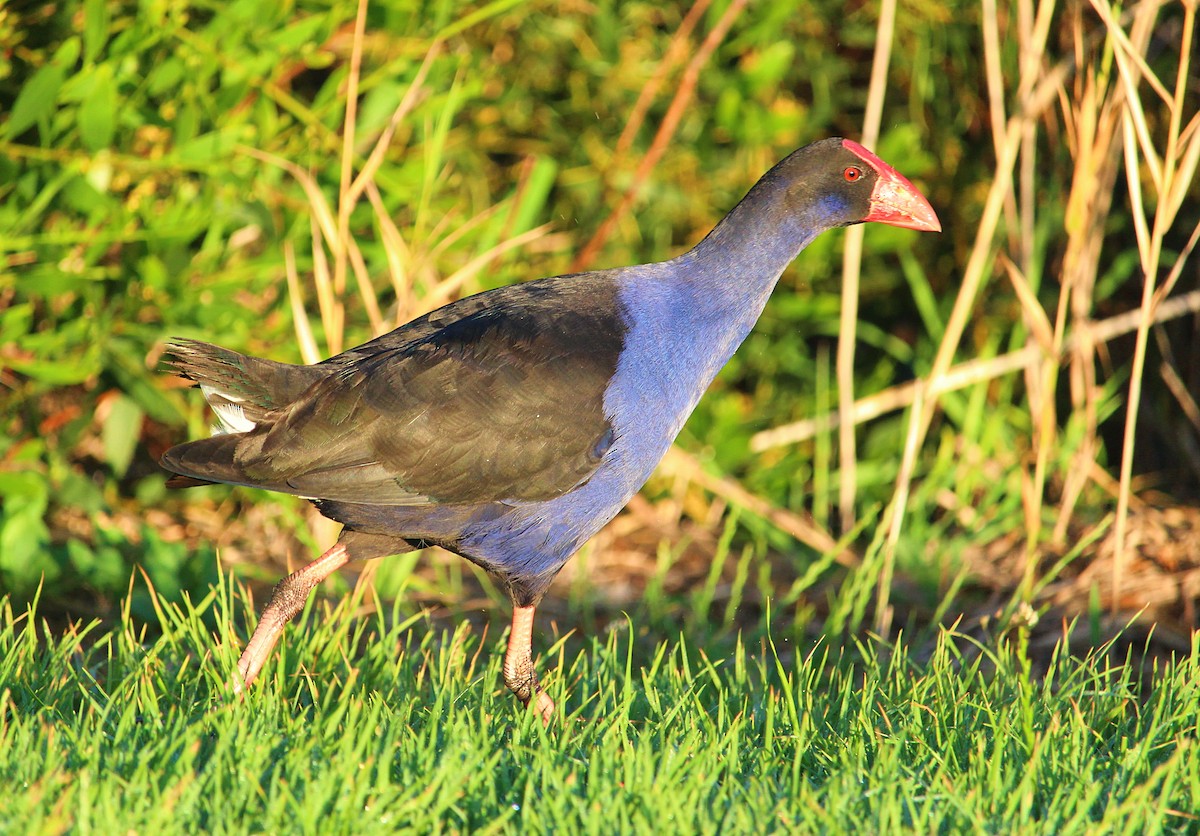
[
  {"x": 24, "y": 557},
  {"x": 16, "y": 322},
  {"x": 24, "y": 536},
  {"x": 208, "y": 147},
  {"x": 767, "y": 69},
  {"x": 165, "y": 77},
  {"x": 97, "y": 114},
  {"x": 54, "y": 372},
  {"x": 306, "y": 30},
  {"x": 78, "y": 490},
  {"x": 36, "y": 101},
  {"x": 24, "y": 490},
  {"x": 122, "y": 428},
  {"x": 537, "y": 191},
  {"x": 126, "y": 362},
  {"x": 95, "y": 28}
]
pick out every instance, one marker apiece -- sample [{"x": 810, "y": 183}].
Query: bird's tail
[
  {"x": 203, "y": 462},
  {"x": 241, "y": 390}
]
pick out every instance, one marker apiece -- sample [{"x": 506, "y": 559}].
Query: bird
[{"x": 510, "y": 426}]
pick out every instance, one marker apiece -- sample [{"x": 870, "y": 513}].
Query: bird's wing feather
[{"x": 503, "y": 403}]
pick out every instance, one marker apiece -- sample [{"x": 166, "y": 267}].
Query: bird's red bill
[{"x": 895, "y": 201}]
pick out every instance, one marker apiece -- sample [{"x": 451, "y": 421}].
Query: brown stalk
[
  {"x": 969, "y": 373},
  {"x": 848, "y": 321},
  {"x": 398, "y": 254},
  {"x": 332, "y": 230},
  {"x": 1032, "y": 33},
  {"x": 851, "y": 270},
  {"x": 1035, "y": 316},
  {"x": 450, "y": 285},
  {"x": 412, "y": 97},
  {"x": 349, "y": 125},
  {"x": 323, "y": 225},
  {"x": 366, "y": 290},
  {"x": 308, "y": 344},
  {"x": 683, "y": 97},
  {"x": 1042, "y": 90},
  {"x": 997, "y": 111},
  {"x": 1181, "y": 394},
  {"x": 680, "y": 463},
  {"x": 674, "y": 54},
  {"x": 1163, "y": 173},
  {"x": 1092, "y": 119},
  {"x": 328, "y": 303}
]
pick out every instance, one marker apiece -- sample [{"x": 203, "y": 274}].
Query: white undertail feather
[{"x": 228, "y": 410}]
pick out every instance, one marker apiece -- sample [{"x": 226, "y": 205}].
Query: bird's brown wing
[{"x": 503, "y": 402}]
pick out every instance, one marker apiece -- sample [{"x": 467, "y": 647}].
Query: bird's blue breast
[{"x": 676, "y": 340}]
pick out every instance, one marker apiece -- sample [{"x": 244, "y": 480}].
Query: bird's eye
[{"x": 852, "y": 173}]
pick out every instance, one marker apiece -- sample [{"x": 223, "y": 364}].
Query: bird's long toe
[
  {"x": 256, "y": 653},
  {"x": 544, "y": 706},
  {"x": 522, "y": 680}
]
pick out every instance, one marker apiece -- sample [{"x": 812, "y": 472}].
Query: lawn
[{"x": 376, "y": 722}]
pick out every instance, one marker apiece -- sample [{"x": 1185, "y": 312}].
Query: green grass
[{"x": 384, "y": 722}]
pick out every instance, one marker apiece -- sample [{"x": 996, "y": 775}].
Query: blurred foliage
[{"x": 130, "y": 211}]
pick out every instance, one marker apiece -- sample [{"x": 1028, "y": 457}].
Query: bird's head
[{"x": 837, "y": 182}]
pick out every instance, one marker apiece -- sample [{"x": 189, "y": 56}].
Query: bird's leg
[
  {"x": 286, "y": 601},
  {"x": 519, "y": 675}
]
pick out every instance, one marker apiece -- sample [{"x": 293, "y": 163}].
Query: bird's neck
[
  {"x": 731, "y": 273},
  {"x": 696, "y": 309}
]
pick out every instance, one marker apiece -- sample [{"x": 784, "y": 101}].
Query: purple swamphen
[{"x": 511, "y": 426}]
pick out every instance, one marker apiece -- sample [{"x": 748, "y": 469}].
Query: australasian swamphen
[{"x": 511, "y": 426}]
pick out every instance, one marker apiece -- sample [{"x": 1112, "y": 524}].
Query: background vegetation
[{"x": 1020, "y": 445}]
